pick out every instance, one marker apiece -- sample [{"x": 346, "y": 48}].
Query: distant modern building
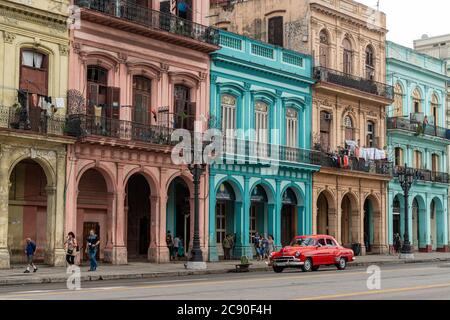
[
  {"x": 417, "y": 137},
  {"x": 347, "y": 42},
  {"x": 261, "y": 100}
]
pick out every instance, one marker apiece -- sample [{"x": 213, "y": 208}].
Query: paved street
[{"x": 418, "y": 281}]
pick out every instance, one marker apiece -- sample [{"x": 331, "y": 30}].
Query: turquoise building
[
  {"x": 418, "y": 138},
  {"x": 261, "y": 97}
]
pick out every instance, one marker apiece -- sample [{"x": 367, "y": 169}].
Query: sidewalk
[{"x": 138, "y": 270}]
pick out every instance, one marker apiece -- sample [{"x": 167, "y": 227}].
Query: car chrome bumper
[{"x": 289, "y": 263}]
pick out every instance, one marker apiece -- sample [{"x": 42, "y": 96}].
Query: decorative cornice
[{"x": 8, "y": 37}]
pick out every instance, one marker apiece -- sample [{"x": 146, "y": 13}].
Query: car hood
[{"x": 292, "y": 250}]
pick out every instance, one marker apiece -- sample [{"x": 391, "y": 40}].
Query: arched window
[
  {"x": 370, "y": 63},
  {"x": 142, "y": 89},
  {"x": 398, "y": 100},
  {"x": 417, "y": 101},
  {"x": 324, "y": 49},
  {"x": 228, "y": 114},
  {"x": 291, "y": 128},
  {"x": 261, "y": 122},
  {"x": 434, "y": 104},
  {"x": 349, "y": 128},
  {"x": 347, "y": 56}
]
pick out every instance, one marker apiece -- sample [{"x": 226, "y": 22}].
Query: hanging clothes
[{"x": 59, "y": 103}]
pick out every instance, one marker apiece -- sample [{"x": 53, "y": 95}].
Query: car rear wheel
[
  {"x": 278, "y": 269},
  {"x": 342, "y": 264},
  {"x": 308, "y": 266}
]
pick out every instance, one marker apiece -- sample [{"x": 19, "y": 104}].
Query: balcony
[
  {"x": 33, "y": 120},
  {"x": 426, "y": 175},
  {"x": 149, "y": 22},
  {"x": 377, "y": 89},
  {"x": 418, "y": 128},
  {"x": 82, "y": 126}
]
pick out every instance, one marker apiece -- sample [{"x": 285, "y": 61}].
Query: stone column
[
  {"x": 49, "y": 257},
  {"x": 154, "y": 228},
  {"x": 4, "y": 197},
  {"x": 119, "y": 219},
  {"x": 108, "y": 253},
  {"x": 212, "y": 221},
  {"x": 59, "y": 236},
  {"x": 243, "y": 247}
]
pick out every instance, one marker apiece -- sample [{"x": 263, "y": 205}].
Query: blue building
[
  {"x": 261, "y": 100},
  {"x": 417, "y": 137}
]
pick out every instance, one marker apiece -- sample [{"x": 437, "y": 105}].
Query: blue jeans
[{"x": 93, "y": 261}]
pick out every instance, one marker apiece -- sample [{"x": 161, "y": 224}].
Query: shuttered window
[
  {"x": 228, "y": 115},
  {"x": 141, "y": 99},
  {"x": 291, "y": 128},
  {"x": 275, "y": 32}
]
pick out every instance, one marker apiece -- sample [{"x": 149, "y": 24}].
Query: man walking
[
  {"x": 30, "y": 251},
  {"x": 92, "y": 244},
  {"x": 169, "y": 242},
  {"x": 226, "y": 247},
  {"x": 176, "y": 245}
]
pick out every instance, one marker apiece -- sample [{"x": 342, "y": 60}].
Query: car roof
[{"x": 315, "y": 236}]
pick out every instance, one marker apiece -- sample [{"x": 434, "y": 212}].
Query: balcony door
[
  {"x": 103, "y": 101},
  {"x": 185, "y": 110},
  {"x": 347, "y": 56},
  {"x": 141, "y": 99}
]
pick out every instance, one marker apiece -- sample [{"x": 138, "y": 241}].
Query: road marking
[
  {"x": 384, "y": 291},
  {"x": 194, "y": 282}
]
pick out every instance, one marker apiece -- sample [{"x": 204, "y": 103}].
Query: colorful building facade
[
  {"x": 347, "y": 41},
  {"x": 139, "y": 70},
  {"x": 34, "y": 60},
  {"x": 261, "y": 100},
  {"x": 418, "y": 138}
]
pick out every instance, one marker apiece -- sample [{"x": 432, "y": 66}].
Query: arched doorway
[
  {"x": 419, "y": 231},
  {"x": 289, "y": 217},
  {"x": 437, "y": 225},
  {"x": 179, "y": 212},
  {"x": 225, "y": 215},
  {"x": 27, "y": 210},
  {"x": 372, "y": 231},
  {"x": 138, "y": 217},
  {"x": 258, "y": 212},
  {"x": 349, "y": 223},
  {"x": 323, "y": 210},
  {"x": 398, "y": 216},
  {"x": 93, "y": 206}
]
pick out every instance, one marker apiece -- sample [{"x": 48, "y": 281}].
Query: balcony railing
[
  {"x": 381, "y": 167},
  {"x": 32, "y": 120},
  {"x": 426, "y": 175},
  {"x": 418, "y": 128},
  {"x": 354, "y": 82},
  {"x": 152, "y": 19},
  {"x": 86, "y": 125}
]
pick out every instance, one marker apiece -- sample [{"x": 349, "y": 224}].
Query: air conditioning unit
[{"x": 328, "y": 116}]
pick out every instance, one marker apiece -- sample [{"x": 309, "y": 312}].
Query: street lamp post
[{"x": 406, "y": 178}]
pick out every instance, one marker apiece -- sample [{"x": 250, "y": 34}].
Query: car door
[
  {"x": 331, "y": 251},
  {"x": 320, "y": 255}
]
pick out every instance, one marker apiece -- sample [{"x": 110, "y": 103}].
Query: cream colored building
[
  {"x": 34, "y": 50},
  {"x": 347, "y": 41}
]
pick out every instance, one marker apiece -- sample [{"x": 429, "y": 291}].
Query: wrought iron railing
[
  {"x": 82, "y": 125},
  {"x": 32, "y": 120},
  {"x": 354, "y": 82},
  {"x": 419, "y": 128},
  {"x": 152, "y": 19},
  {"x": 425, "y": 175}
]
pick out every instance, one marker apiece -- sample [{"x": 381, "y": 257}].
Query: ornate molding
[
  {"x": 64, "y": 50},
  {"x": 8, "y": 37}
]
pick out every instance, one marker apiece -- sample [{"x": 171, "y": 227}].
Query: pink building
[{"x": 138, "y": 70}]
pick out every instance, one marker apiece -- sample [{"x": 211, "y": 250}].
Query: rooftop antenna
[{"x": 378, "y": 5}]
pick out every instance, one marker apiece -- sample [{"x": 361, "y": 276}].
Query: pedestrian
[
  {"x": 93, "y": 242},
  {"x": 270, "y": 247},
  {"x": 30, "y": 251},
  {"x": 255, "y": 240},
  {"x": 397, "y": 243},
  {"x": 232, "y": 237},
  {"x": 226, "y": 247},
  {"x": 176, "y": 246},
  {"x": 71, "y": 246},
  {"x": 169, "y": 242},
  {"x": 181, "y": 248}
]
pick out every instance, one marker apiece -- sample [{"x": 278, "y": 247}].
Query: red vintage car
[{"x": 310, "y": 252}]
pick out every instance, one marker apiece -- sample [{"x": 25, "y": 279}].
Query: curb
[{"x": 149, "y": 275}]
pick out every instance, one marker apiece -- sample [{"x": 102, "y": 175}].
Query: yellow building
[
  {"x": 34, "y": 49},
  {"x": 347, "y": 41}
]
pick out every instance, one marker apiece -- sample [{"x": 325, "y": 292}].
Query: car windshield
[{"x": 302, "y": 242}]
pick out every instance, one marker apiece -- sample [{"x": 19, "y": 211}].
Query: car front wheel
[
  {"x": 308, "y": 266},
  {"x": 278, "y": 269},
  {"x": 342, "y": 264}
]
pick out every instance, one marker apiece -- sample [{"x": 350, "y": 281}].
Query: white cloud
[{"x": 408, "y": 20}]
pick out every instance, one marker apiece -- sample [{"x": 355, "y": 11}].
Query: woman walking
[
  {"x": 270, "y": 248},
  {"x": 71, "y": 246}
]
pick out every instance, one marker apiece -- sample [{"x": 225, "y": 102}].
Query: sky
[{"x": 408, "y": 20}]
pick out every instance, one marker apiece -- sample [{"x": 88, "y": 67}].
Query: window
[
  {"x": 398, "y": 100},
  {"x": 347, "y": 58},
  {"x": 417, "y": 160},
  {"x": 370, "y": 63},
  {"x": 228, "y": 114},
  {"x": 348, "y": 124},
  {"x": 435, "y": 163},
  {"x": 322, "y": 242},
  {"x": 183, "y": 9},
  {"x": 371, "y": 140},
  {"x": 275, "y": 32},
  {"x": 324, "y": 49},
  {"x": 435, "y": 108},
  {"x": 399, "y": 157},
  {"x": 417, "y": 101},
  {"x": 291, "y": 128},
  {"x": 221, "y": 220},
  {"x": 34, "y": 72},
  {"x": 185, "y": 110},
  {"x": 330, "y": 243},
  {"x": 141, "y": 99},
  {"x": 325, "y": 130},
  {"x": 261, "y": 122}
]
